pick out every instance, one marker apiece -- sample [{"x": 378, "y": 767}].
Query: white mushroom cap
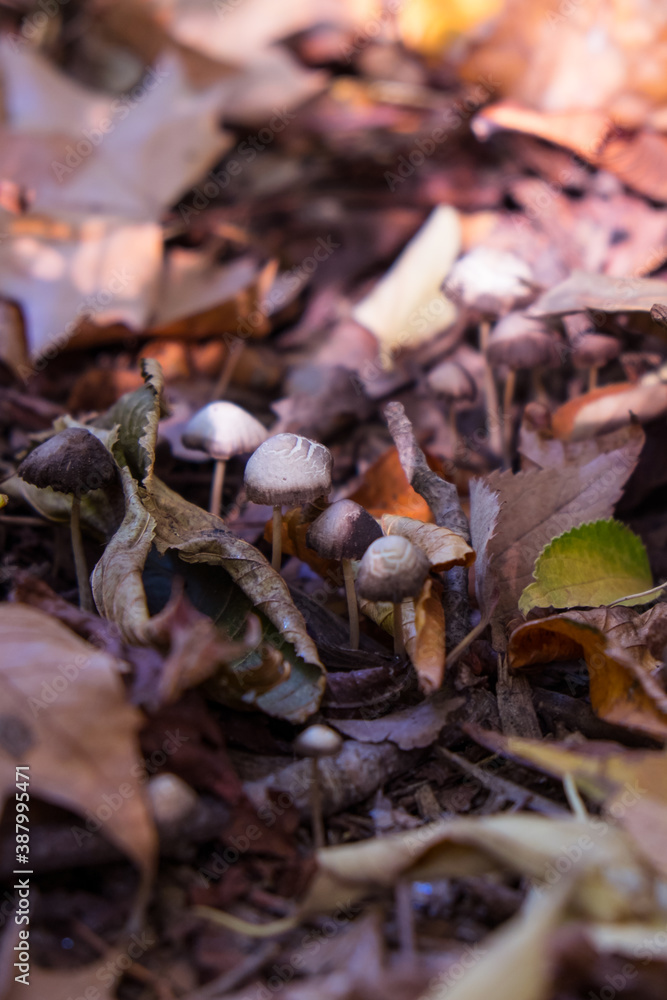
[
  {"x": 451, "y": 380},
  {"x": 170, "y": 797},
  {"x": 493, "y": 281},
  {"x": 392, "y": 569},
  {"x": 288, "y": 469},
  {"x": 343, "y": 531},
  {"x": 222, "y": 430},
  {"x": 318, "y": 741}
]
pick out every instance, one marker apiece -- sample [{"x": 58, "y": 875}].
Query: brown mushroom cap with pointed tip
[
  {"x": 72, "y": 461},
  {"x": 451, "y": 380},
  {"x": 222, "y": 430},
  {"x": 288, "y": 469},
  {"x": 392, "y": 569},
  {"x": 318, "y": 741},
  {"x": 343, "y": 531},
  {"x": 521, "y": 342}
]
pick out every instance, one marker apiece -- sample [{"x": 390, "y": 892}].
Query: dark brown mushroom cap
[
  {"x": 392, "y": 569},
  {"x": 521, "y": 342},
  {"x": 343, "y": 531},
  {"x": 72, "y": 461},
  {"x": 593, "y": 350},
  {"x": 222, "y": 430},
  {"x": 451, "y": 380},
  {"x": 318, "y": 741},
  {"x": 489, "y": 280},
  {"x": 288, "y": 469}
]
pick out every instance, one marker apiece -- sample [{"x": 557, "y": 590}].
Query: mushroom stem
[
  {"x": 490, "y": 392},
  {"x": 234, "y": 352},
  {"x": 80, "y": 565},
  {"x": 508, "y": 399},
  {"x": 451, "y": 418},
  {"x": 592, "y": 378},
  {"x": 217, "y": 483},
  {"x": 316, "y": 805},
  {"x": 399, "y": 642},
  {"x": 352, "y": 608},
  {"x": 277, "y": 552}
]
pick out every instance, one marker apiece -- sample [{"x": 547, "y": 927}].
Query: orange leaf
[
  {"x": 386, "y": 490},
  {"x": 425, "y": 636},
  {"x": 620, "y": 667},
  {"x": 608, "y": 408}
]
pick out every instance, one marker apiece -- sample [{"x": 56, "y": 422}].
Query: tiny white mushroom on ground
[
  {"x": 287, "y": 469},
  {"x": 222, "y": 430},
  {"x": 315, "y": 742},
  {"x": 490, "y": 282}
]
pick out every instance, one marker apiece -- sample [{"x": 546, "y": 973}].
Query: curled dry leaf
[
  {"x": 65, "y": 715},
  {"x": 443, "y": 547},
  {"x": 515, "y": 961},
  {"x": 599, "y": 293},
  {"x": 609, "y": 882},
  {"x": 631, "y": 784},
  {"x": 623, "y": 687},
  {"x": 155, "y": 515},
  {"x": 424, "y": 633},
  {"x": 609, "y": 408}
]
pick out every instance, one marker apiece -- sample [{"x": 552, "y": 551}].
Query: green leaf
[{"x": 595, "y": 564}]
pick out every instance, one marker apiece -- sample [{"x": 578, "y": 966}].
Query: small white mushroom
[
  {"x": 222, "y": 430},
  {"x": 315, "y": 742},
  {"x": 287, "y": 469}
]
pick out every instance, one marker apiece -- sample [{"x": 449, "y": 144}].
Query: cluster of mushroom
[{"x": 292, "y": 470}]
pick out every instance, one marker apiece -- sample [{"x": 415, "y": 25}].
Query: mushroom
[
  {"x": 344, "y": 531},
  {"x": 317, "y": 741},
  {"x": 171, "y": 799},
  {"x": 287, "y": 469},
  {"x": 392, "y": 569},
  {"x": 490, "y": 282},
  {"x": 451, "y": 381},
  {"x": 222, "y": 430},
  {"x": 590, "y": 350},
  {"x": 74, "y": 462},
  {"x": 517, "y": 341}
]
